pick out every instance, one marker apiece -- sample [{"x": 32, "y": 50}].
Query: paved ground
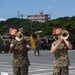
[{"x": 40, "y": 65}]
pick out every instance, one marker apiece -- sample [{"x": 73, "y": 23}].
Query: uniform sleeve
[
  {"x": 53, "y": 44},
  {"x": 12, "y": 45}
]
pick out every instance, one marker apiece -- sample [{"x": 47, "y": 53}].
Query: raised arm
[{"x": 68, "y": 44}]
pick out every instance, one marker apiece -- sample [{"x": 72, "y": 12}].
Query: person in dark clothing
[
  {"x": 6, "y": 46},
  {"x": 0, "y": 45}
]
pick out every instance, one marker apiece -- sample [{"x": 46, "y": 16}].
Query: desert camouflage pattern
[
  {"x": 61, "y": 71},
  {"x": 20, "y": 61},
  {"x": 20, "y": 70},
  {"x": 20, "y": 56},
  {"x": 61, "y": 55}
]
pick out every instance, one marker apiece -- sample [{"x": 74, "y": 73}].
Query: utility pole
[{"x": 18, "y": 14}]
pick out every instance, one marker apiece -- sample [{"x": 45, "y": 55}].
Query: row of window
[{"x": 37, "y": 15}]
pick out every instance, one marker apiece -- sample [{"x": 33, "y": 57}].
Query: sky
[{"x": 55, "y": 8}]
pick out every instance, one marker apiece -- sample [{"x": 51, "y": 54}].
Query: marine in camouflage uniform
[
  {"x": 37, "y": 48},
  {"x": 20, "y": 57},
  {"x": 61, "y": 63}
]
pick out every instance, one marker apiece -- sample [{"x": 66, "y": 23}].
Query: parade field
[{"x": 40, "y": 65}]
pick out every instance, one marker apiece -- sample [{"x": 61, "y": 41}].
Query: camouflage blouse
[
  {"x": 20, "y": 55},
  {"x": 61, "y": 55}
]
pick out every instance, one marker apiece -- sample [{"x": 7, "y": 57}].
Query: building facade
[{"x": 39, "y": 17}]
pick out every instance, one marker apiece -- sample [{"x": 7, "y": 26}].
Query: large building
[{"x": 39, "y": 17}]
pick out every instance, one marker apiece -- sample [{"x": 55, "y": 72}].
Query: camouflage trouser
[
  {"x": 61, "y": 70},
  {"x": 36, "y": 52},
  {"x": 20, "y": 70}
]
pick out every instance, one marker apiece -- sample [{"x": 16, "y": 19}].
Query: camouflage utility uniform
[
  {"x": 61, "y": 62},
  {"x": 37, "y": 43},
  {"x": 20, "y": 58}
]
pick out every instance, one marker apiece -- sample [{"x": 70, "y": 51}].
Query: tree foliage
[{"x": 30, "y": 27}]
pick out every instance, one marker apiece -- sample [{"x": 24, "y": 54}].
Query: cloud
[{"x": 2, "y": 19}]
